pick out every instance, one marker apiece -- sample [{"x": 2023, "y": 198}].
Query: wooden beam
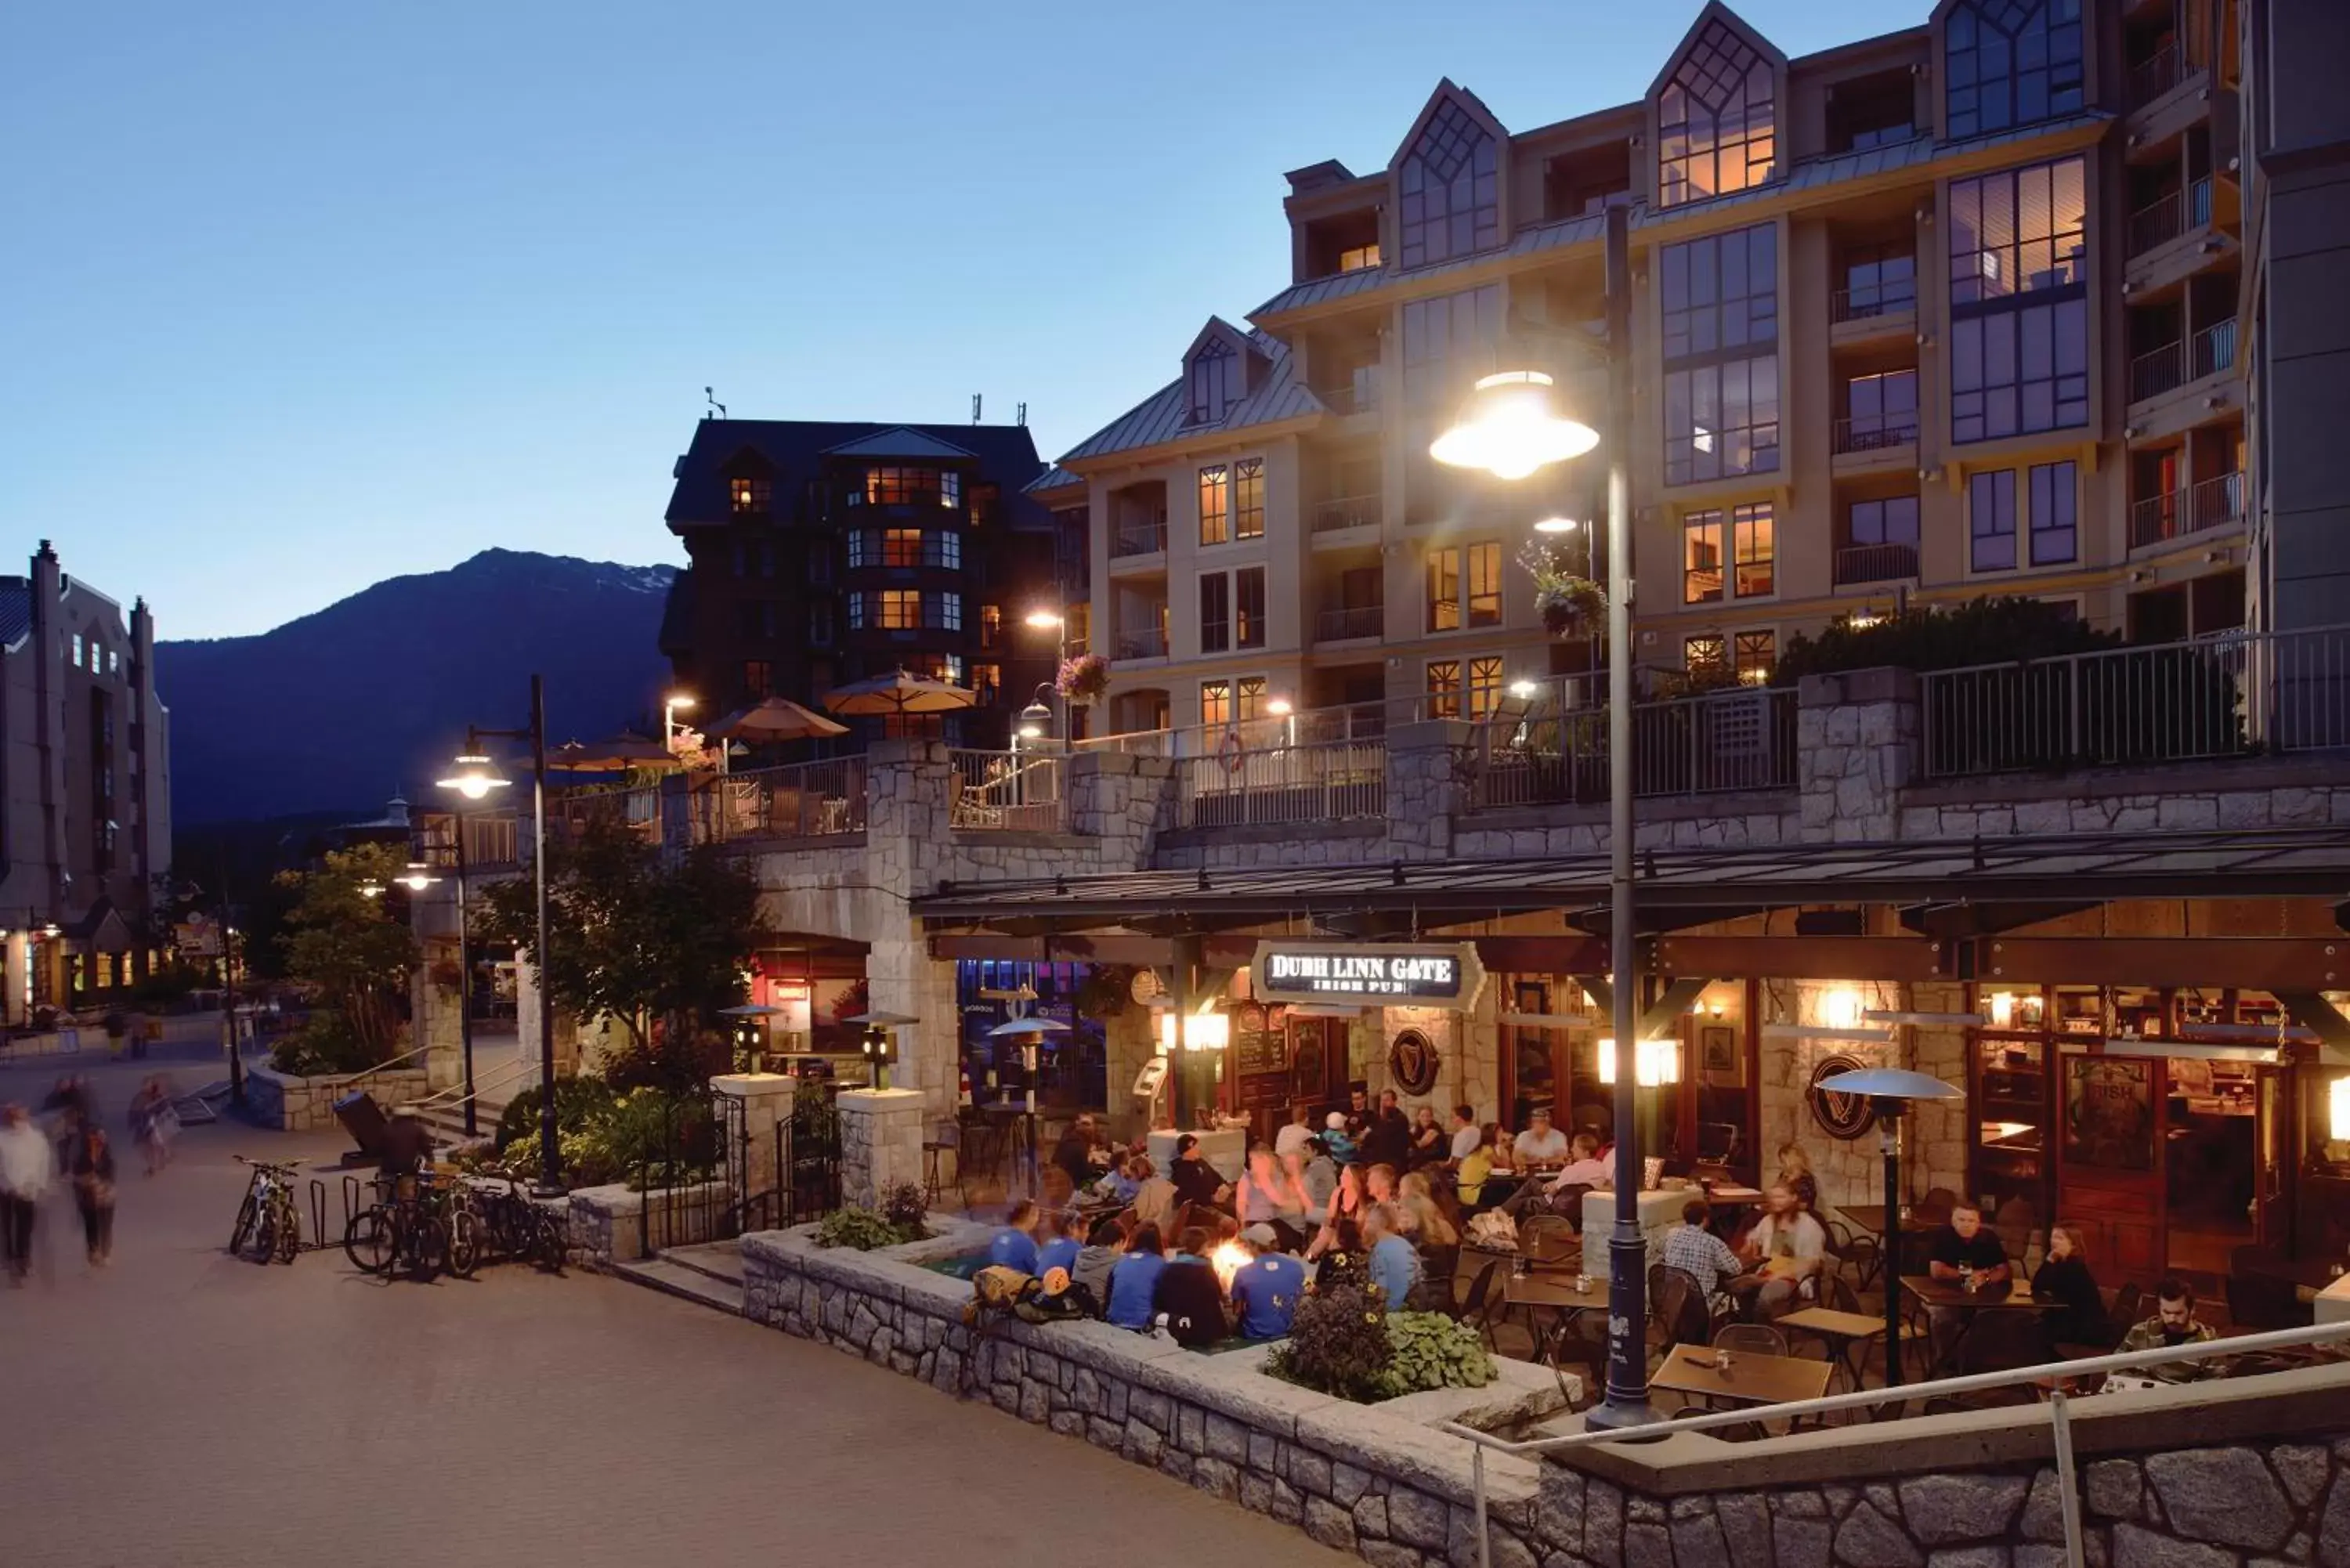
[
  {"x": 1075, "y": 948},
  {"x": 1804, "y": 957},
  {"x": 1684, "y": 990},
  {"x": 1543, "y": 955},
  {"x": 2314, "y": 1012},
  {"x": 2246, "y": 963}
]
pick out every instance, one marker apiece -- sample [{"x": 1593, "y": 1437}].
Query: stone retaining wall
[
  {"x": 608, "y": 1223},
  {"x": 289, "y": 1104},
  {"x": 2250, "y": 1473}
]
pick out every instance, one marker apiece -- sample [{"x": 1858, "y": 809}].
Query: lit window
[
  {"x": 1215, "y": 505},
  {"x": 1215, "y": 613},
  {"x": 1444, "y": 688},
  {"x": 987, "y": 679},
  {"x": 1715, "y": 120},
  {"x": 901, "y": 547},
  {"x": 758, "y": 678},
  {"x": 942, "y": 612},
  {"x": 1755, "y": 654},
  {"x": 1212, "y": 379},
  {"x": 1484, "y": 686},
  {"x": 942, "y": 548},
  {"x": 1444, "y": 591},
  {"x": 1248, "y": 596},
  {"x": 113, "y": 661},
  {"x": 856, "y": 613},
  {"x": 1449, "y": 188},
  {"x": 1702, "y": 558},
  {"x": 893, "y": 485},
  {"x": 1215, "y": 703},
  {"x": 1359, "y": 258},
  {"x": 901, "y": 609},
  {"x": 2010, "y": 62},
  {"x": 1702, "y": 653},
  {"x": 77, "y": 650},
  {"x": 1721, "y": 363},
  {"x": 1753, "y": 547},
  {"x": 2019, "y": 302},
  {"x": 1485, "y": 584},
  {"x": 749, "y": 496},
  {"x": 1252, "y": 696},
  {"x": 991, "y": 626},
  {"x": 1248, "y": 498}
]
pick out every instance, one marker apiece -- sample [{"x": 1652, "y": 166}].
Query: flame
[{"x": 1228, "y": 1259}]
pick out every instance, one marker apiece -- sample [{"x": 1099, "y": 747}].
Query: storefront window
[{"x": 2011, "y": 1112}]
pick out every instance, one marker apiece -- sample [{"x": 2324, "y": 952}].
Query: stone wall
[
  {"x": 291, "y": 1104},
  {"x": 2240, "y": 1474},
  {"x": 609, "y": 1224}
]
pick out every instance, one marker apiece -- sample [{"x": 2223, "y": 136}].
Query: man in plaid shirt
[{"x": 1697, "y": 1253}]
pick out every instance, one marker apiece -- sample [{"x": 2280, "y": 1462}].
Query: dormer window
[
  {"x": 1717, "y": 121},
  {"x": 749, "y": 496},
  {"x": 1213, "y": 380},
  {"x": 2010, "y": 62},
  {"x": 1448, "y": 187}
]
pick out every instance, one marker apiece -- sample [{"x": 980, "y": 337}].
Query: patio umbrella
[
  {"x": 898, "y": 692},
  {"x": 750, "y": 1009},
  {"x": 623, "y": 751},
  {"x": 775, "y": 720},
  {"x": 1032, "y": 1025}
]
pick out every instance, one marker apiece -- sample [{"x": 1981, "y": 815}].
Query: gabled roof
[
  {"x": 16, "y": 611},
  {"x": 1715, "y": 11},
  {"x": 1448, "y": 92},
  {"x": 795, "y": 451},
  {"x": 901, "y": 441},
  {"x": 1055, "y": 477},
  {"x": 1159, "y": 418}
]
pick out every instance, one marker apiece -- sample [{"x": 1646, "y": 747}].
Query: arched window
[
  {"x": 1717, "y": 123},
  {"x": 1450, "y": 187},
  {"x": 2010, "y": 62},
  {"x": 1212, "y": 379}
]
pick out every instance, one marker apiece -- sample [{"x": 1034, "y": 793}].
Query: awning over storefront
[{"x": 2075, "y": 869}]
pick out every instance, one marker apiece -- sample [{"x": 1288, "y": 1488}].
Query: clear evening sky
[{"x": 298, "y": 297}]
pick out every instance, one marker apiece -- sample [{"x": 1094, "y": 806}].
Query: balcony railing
[
  {"x": 1139, "y": 537},
  {"x": 1350, "y": 621},
  {"x": 2214, "y": 349},
  {"x": 2166, "y": 218},
  {"x": 2153, "y": 76},
  {"x": 1242, "y": 785},
  {"x": 1149, "y": 642},
  {"x": 1358, "y": 396},
  {"x": 2162, "y": 371},
  {"x": 1346, "y": 512},
  {"x": 2222, "y": 696},
  {"x": 822, "y": 799},
  {"x": 1009, "y": 792},
  {"x": 1875, "y": 432},
  {"x": 1868, "y": 302},
  {"x": 1742, "y": 740},
  {"x": 1875, "y": 564},
  {"x": 2214, "y": 502}
]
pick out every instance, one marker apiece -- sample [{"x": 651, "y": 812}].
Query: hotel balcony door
[{"x": 2112, "y": 1170}]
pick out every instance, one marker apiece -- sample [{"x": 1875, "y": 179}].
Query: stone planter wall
[
  {"x": 289, "y": 1104},
  {"x": 1378, "y": 1480},
  {"x": 607, "y": 1223}
]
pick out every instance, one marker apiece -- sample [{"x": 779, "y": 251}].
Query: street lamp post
[
  {"x": 474, "y": 776},
  {"x": 1044, "y": 620},
  {"x": 1511, "y": 431},
  {"x": 669, "y": 707}
]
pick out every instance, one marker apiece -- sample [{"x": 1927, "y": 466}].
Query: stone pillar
[
  {"x": 1427, "y": 787},
  {"x": 14, "y": 979},
  {"x": 436, "y": 1024},
  {"x": 880, "y": 1142},
  {"x": 766, "y": 1101},
  {"x": 1856, "y": 748},
  {"x": 908, "y": 848}
]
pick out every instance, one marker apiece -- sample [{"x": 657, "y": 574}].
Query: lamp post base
[
  {"x": 549, "y": 1189},
  {"x": 1607, "y": 1416}
]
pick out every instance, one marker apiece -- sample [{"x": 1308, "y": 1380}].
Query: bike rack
[{"x": 318, "y": 1218}]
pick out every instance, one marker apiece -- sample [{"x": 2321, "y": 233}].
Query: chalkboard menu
[{"x": 1260, "y": 1039}]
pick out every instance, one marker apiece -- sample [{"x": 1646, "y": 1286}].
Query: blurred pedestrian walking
[
  {"x": 24, "y": 1174},
  {"x": 154, "y": 1123},
  {"x": 92, "y": 1171}
]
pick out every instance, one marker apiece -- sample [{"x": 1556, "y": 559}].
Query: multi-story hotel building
[{"x": 1952, "y": 312}]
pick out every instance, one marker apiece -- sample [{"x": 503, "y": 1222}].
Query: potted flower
[
  {"x": 1083, "y": 679},
  {"x": 1571, "y": 605}
]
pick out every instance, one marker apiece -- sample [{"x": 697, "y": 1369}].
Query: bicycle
[
  {"x": 268, "y": 1220},
  {"x": 423, "y": 1227},
  {"x": 524, "y": 1232}
]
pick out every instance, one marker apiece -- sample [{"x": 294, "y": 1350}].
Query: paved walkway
[{"x": 185, "y": 1409}]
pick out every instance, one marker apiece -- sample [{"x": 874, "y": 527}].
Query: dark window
[
  {"x": 1215, "y": 613},
  {"x": 1721, "y": 396},
  {"x": 1892, "y": 521},
  {"x": 2019, "y": 302},
  {"x": 2055, "y": 495},
  {"x": 758, "y": 678},
  {"x": 820, "y": 623},
  {"x": 1211, "y": 375},
  {"x": 1872, "y": 111},
  {"x": 1990, "y": 521},
  {"x": 1878, "y": 280},
  {"x": 1880, "y": 409},
  {"x": 1248, "y": 596},
  {"x": 2010, "y": 62},
  {"x": 1716, "y": 120},
  {"x": 1448, "y": 186}
]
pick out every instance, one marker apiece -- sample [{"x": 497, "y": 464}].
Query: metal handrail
[
  {"x": 521, "y": 1066},
  {"x": 1866, "y": 1399}
]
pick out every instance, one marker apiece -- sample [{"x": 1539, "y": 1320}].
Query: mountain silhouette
[{"x": 339, "y": 710}]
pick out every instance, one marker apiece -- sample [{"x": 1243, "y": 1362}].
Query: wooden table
[
  {"x": 1752, "y": 1379},
  {"x": 1870, "y": 1217},
  {"x": 1845, "y": 1332},
  {"x": 1735, "y": 1196},
  {"x": 1555, "y": 1293},
  {"x": 1950, "y": 1296}
]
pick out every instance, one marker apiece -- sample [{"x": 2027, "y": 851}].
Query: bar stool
[{"x": 945, "y": 1141}]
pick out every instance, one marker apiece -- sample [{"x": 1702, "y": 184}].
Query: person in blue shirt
[
  {"x": 1061, "y": 1252},
  {"x": 1015, "y": 1246},
  {"x": 1266, "y": 1290},
  {"x": 1335, "y": 1141},
  {"x": 1134, "y": 1280},
  {"x": 1123, "y": 1180},
  {"x": 1395, "y": 1261}
]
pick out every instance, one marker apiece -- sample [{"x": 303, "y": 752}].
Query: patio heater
[
  {"x": 1030, "y": 1033},
  {"x": 1512, "y": 428},
  {"x": 1889, "y": 1091}
]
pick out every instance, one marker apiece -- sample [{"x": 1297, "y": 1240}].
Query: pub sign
[{"x": 1369, "y": 974}]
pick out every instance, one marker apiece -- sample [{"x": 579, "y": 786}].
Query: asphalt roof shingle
[{"x": 794, "y": 450}]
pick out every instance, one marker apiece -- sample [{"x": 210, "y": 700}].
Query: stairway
[
  {"x": 447, "y": 1118},
  {"x": 710, "y": 1273}
]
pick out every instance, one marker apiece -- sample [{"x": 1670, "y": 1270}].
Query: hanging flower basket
[
  {"x": 1570, "y": 605},
  {"x": 1083, "y": 679}
]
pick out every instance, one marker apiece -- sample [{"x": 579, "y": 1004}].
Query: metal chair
[
  {"x": 1482, "y": 1302},
  {"x": 1548, "y": 1242},
  {"x": 945, "y": 1140},
  {"x": 1682, "y": 1307},
  {"x": 2122, "y": 1316},
  {"x": 1751, "y": 1338}
]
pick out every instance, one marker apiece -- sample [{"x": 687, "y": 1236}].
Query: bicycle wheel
[
  {"x": 246, "y": 1216},
  {"x": 289, "y": 1229},
  {"x": 464, "y": 1248},
  {"x": 428, "y": 1246},
  {"x": 372, "y": 1241},
  {"x": 264, "y": 1235},
  {"x": 553, "y": 1240}
]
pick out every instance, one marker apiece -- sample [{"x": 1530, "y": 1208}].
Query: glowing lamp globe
[
  {"x": 1511, "y": 426},
  {"x": 474, "y": 776}
]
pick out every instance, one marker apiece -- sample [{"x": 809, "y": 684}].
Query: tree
[
  {"x": 348, "y": 948},
  {"x": 1997, "y": 631},
  {"x": 659, "y": 946}
]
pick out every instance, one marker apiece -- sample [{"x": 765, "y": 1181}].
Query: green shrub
[
  {"x": 1338, "y": 1345},
  {"x": 324, "y": 1043},
  {"x": 1428, "y": 1350},
  {"x": 862, "y": 1231},
  {"x": 577, "y": 1102},
  {"x": 905, "y": 1207}
]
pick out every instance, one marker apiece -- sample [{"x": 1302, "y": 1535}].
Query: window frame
[
  {"x": 1444, "y": 561},
  {"x": 2000, "y": 300},
  {"x": 1250, "y": 694},
  {"x": 1449, "y": 189},
  {"x": 1693, "y": 129},
  {"x": 1442, "y": 701},
  {"x": 2059, "y": 61},
  {"x": 1218, "y": 585},
  {"x": 1247, "y": 498},
  {"x": 1754, "y": 654},
  {"x": 2058, "y": 486},
  {"x": 1249, "y": 622},
  {"x": 1988, "y": 484},
  {"x": 1483, "y": 678},
  {"x": 1481, "y": 584},
  {"x": 1223, "y": 688},
  {"x": 1215, "y": 480},
  {"x": 1714, "y": 337},
  {"x": 1208, "y": 378}
]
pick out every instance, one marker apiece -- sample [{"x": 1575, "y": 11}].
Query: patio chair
[
  {"x": 2121, "y": 1313},
  {"x": 1751, "y": 1339},
  {"x": 2257, "y": 1303},
  {"x": 2003, "y": 1342},
  {"x": 1483, "y": 1301},
  {"x": 1547, "y": 1240},
  {"x": 944, "y": 1143},
  {"x": 1681, "y": 1308}
]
